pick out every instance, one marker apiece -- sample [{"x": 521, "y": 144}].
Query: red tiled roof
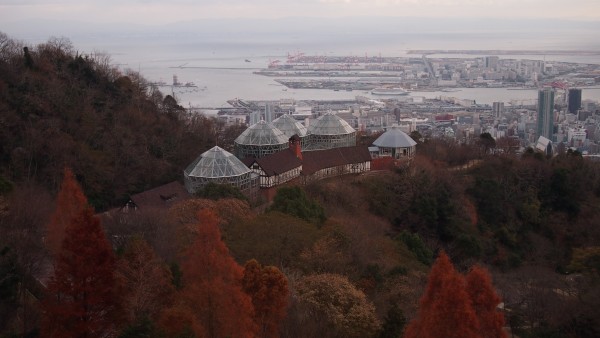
[
  {"x": 313, "y": 161},
  {"x": 279, "y": 162},
  {"x": 163, "y": 196}
]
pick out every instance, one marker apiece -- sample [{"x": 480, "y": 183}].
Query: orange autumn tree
[
  {"x": 268, "y": 288},
  {"x": 211, "y": 301},
  {"x": 445, "y": 309},
  {"x": 485, "y": 301},
  {"x": 70, "y": 202},
  {"x": 80, "y": 299}
]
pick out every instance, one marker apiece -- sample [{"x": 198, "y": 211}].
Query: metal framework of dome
[
  {"x": 330, "y": 131},
  {"x": 218, "y": 166},
  {"x": 260, "y": 139},
  {"x": 289, "y": 126}
]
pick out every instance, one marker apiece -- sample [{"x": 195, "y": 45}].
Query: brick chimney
[{"x": 295, "y": 147}]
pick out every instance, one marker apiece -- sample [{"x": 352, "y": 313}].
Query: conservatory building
[
  {"x": 289, "y": 126},
  {"x": 219, "y": 166},
  {"x": 330, "y": 131},
  {"x": 260, "y": 139}
]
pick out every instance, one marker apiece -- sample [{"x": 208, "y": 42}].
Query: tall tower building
[
  {"x": 574, "y": 100},
  {"x": 491, "y": 61},
  {"x": 498, "y": 109},
  {"x": 545, "y": 110}
]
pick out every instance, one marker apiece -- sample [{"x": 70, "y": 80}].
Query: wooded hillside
[{"x": 61, "y": 108}]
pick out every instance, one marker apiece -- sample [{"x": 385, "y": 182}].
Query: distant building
[
  {"x": 497, "y": 109},
  {"x": 545, "y": 146},
  {"x": 545, "y": 113},
  {"x": 491, "y": 62},
  {"x": 574, "y": 103}
]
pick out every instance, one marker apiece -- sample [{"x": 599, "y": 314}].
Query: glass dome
[
  {"x": 216, "y": 163},
  {"x": 261, "y": 133},
  {"x": 289, "y": 126},
  {"x": 330, "y": 124}
]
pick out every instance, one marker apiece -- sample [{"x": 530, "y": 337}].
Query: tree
[
  {"x": 70, "y": 202},
  {"x": 145, "y": 281},
  {"x": 445, "y": 308},
  {"x": 81, "y": 296},
  {"x": 486, "y": 142},
  {"x": 211, "y": 301},
  {"x": 272, "y": 238},
  {"x": 485, "y": 301},
  {"x": 293, "y": 201},
  {"x": 394, "y": 323},
  {"x": 334, "y": 303},
  {"x": 215, "y": 191},
  {"x": 268, "y": 288}
]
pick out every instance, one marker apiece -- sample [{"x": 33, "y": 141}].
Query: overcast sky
[{"x": 170, "y": 11}]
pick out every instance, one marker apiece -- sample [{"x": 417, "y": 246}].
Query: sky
[{"x": 157, "y": 12}]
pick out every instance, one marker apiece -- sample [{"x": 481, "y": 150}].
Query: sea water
[{"x": 224, "y": 70}]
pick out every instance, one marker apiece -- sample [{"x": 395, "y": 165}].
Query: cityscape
[
  {"x": 299, "y": 169},
  {"x": 558, "y": 114}
]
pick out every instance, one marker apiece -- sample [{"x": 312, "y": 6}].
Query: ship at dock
[{"x": 389, "y": 91}]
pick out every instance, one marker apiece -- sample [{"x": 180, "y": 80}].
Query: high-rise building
[
  {"x": 497, "y": 109},
  {"x": 545, "y": 110},
  {"x": 491, "y": 61},
  {"x": 574, "y": 100}
]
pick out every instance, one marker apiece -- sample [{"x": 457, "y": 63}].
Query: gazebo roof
[{"x": 394, "y": 138}]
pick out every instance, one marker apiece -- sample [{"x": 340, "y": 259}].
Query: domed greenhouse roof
[
  {"x": 330, "y": 124},
  {"x": 215, "y": 163},
  {"x": 289, "y": 126},
  {"x": 261, "y": 133}
]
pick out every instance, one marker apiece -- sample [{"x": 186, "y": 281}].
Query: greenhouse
[
  {"x": 289, "y": 126},
  {"x": 260, "y": 139},
  {"x": 219, "y": 166},
  {"x": 330, "y": 131}
]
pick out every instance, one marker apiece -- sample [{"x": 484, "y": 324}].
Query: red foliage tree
[
  {"x": 485, "y": 301},
  {"x": 80, "y": 300},
  {"x": 268, "y": 288},
  {"x": 445, "y": 308},
  {"x": 70, "y": 202},
  {"x": 212, "y": 298}
]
